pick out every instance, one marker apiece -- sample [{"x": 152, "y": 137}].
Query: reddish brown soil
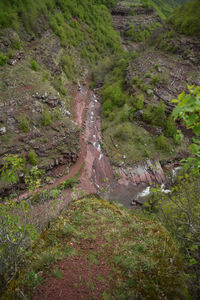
[
  {"x": 97, "y": 170},
  {"x": 80, "y": 280}
]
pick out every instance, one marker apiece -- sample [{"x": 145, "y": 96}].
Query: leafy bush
[
  {"x": 33, "y": 158},
  {"x": 114, "y": 94},
  {"x": 34, "y": 66},
  {"x": 139, "y": 103},
  {"x": 16, "y": 230},
  {"x": 186, "y": 19},
  {"x": 148, "y": 113},
  {"x": 46, "y": 117},
  {"x": 123, "y": 132},
  {"x": 187, "y": 109},
  {"x": 107, "y": 107},
  {"x": 3, "y": 59},
  {"x": 159, "y": 116},
  {"x": 170, "y": 127},
  {"x": 16, "y": 44},
  {"x": 155, "y": 80},
  {"x": 69, "y": 183},
  {"x": 67, "y": 62},
  {"x": 24, "y": 124},
  {"x": 179, "y": 211},
  {"x": 161, "y": 143},
  {"x": 58, "y": 85}
]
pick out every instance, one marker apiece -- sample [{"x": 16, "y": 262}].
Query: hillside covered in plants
[
  {"x": 99, "y": 110},
  {"x": 186, "y": 19}
]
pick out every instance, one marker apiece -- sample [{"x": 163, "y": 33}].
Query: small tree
[
  {"x": 187, "y": 110},
  {"x": 16, "y": 230},
  {"x": 179, "y": 210}
]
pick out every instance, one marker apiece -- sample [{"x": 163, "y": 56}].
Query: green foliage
[
  {"x": 16, "y": 231},
  {"x": 69, "y": 183},
  {"x": 137, "y": 35},
  {"x": 16, "y": 234},
  {"x": 3, "y": 59},
  {"x": 187, "y": 109},
  {"x": 186, "y": 19},
  {"x": 24, "y": 124},
  {"x": 161, "y": 143},
  {"x": 101, "y": 69},
  {"x": 136, "y": 250},
  {"x": 58, "y": 85},
  {"x": 16, "y": 44},
  {"x": 148, "y": 113},
  {"x": 13, "y": 165},
  {"x": 155, "y": 80},
  {"x": 33, "y": 179},
  {"x": 139, "y": 103},
  {"x": 162, "y": 7},
  {"x": 114, "y": 93},
  {"x": 170, "y": 128},
  {"x": 67, "y": 63},
  {"x": 34, "y": 66},
  {"x": 123, "y": 132},
  {"x": 179, "y": 211},
  {"x": 159, "y": 117},
  {"x": 74, "y": 22},
  {"x": 155, "y": 115},
  {"x": 32, "y": 157},
  {"x": 46, "y": 117}
]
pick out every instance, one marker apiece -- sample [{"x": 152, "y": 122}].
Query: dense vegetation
[
  {"x": 164, "y": 8},
  {"x": 83, "y": 24},
  {"x": 187, "y": 18}
]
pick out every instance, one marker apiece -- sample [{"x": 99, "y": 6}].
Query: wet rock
[
  {"x": 66, "y": 113},
  {"x": 12, "y": 62},
  {"x": 3, "y": 130}
]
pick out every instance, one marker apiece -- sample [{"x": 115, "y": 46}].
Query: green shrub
[
  {"x": 24, "y": 124},
  {"x": 124, "y": 116},
  {"x": 67, "y": 62},
  {"x": 10, "y": 55},
  {"x": 16, "y": 44},
  {"x": 46, "y": 117},
  {"x": 58, "y": 85},
  {"x": 107, "y": 106},
  {"x": 34, "y": 66},
  {"x": 114, "y": 94},
  {"x": 186, "y": 18},
  {"x": 170, "y": 128},
  {"x": 161, "y": 143},
  {"x": 155, "y": 80},
  {"x": 139, "y": 103},
  {"x": 159, "y": 116},
  {"x": 148, "y": 113},
  {"x": 111, "y": 116},
  {"x": 32, "y": 158},
  {"x": 3, "y": 59},
  {"x": 124, "y": 132},
  {"x": 179, "y": 212},
  {"x": 69, "y": 183}
]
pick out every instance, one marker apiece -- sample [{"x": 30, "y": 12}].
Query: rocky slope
[{"x": 160, "y": 64}]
